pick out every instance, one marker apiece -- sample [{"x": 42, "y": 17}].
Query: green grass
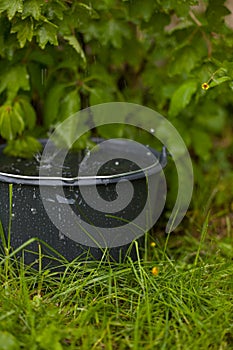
[{"x": 187, "y": 305}]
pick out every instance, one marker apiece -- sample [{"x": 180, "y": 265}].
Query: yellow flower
[
  {"x": 205, "y": 86},
  {"x": 155, "y": 271},
  {"x": 153, "y": 244}
]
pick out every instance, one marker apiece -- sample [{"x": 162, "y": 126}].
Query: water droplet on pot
[
  {"x": 64, "y": 200},
  {"x": 105, "y": 181},
  {"x": 88, "y": 153},
  {"x": 152, "y": 130},
  {"x": 60, "y": 235},
  {"x": 34, "y": 211},
  {"x": 59, "y": 214},
  {"x": 50, "y": 200}
]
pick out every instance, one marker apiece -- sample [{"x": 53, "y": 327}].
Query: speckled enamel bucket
[{"x": 29, "y": 219}]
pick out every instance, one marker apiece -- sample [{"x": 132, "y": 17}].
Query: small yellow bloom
[
  {"x": 153, "y": 244},
  {"x": 155, "y": 271},
  {"x": 205, "y": 86}
]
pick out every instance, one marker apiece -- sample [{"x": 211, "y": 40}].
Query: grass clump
[{"x": 178, "y": 299}]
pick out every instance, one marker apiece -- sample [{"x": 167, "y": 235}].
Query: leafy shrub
[{"x": 60, "y": 56}]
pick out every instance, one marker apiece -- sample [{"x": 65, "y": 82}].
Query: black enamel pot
[{"x": 39, "y": 210}]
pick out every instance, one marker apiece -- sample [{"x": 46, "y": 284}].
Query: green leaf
[
  {"x": 75, "y": 44},
  {"x": 228, "y": 67},
  {"x": 52, "y": 104},
  {"x": 211, "y": 116},
  {"x": 41, "y": 56},
  {"x": 24, "y": 30},
  {"x": 218, "y": 81},
  {"x": 24, "y": 147},
  {"x": 8, "y": 341},
  {"x": 8, "y": 43},
  {"x": 47, "y": 33},
  {"x": 11, "y": 7},
  {"x": 114, "y": 31},
  {"x": 55, "y": 10},
  {"x": 5, "y": 125},
  {"x": 13, "y": 79},
  {"x": 215, "y": 14},
  {"x": 83, "y": 142},
  {"x": 105, "y": 5},
  {"x": 29, "y": 114},
  {"x": 182, "y": 97},
  {"x": 132, "y": 52},
  {"x": 111, "y": 131},
  {"x": 91, "y": 11},
  {"x": 101, "y": 95},
  {"x": 69, "y": 105},
  {"x": 25, "y": 109},
  {"x": 142, "y": 9},
  {"x": 201, "y": 143},
  {"x": 11, "y": 122},
  {"x": 49, "y": 338},
  {"x": 181, "y": 8},
  {"x": 66, "y": 133},
  {"x": 157, "y": 23},
  {"x": 17, "y": 122},
  {"x": 184, "y": 61},
  {"x": 32, "y": 8},
  {"x": 100, "y": 73}
]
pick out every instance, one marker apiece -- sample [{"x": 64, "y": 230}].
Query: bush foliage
[{"x": 60, "y": 56}]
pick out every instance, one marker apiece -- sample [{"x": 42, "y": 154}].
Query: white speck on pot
[
  {"x": 60, "y": 235},
  {"x": 50, "y": 200},
  {"x": 64, "y": 200}
]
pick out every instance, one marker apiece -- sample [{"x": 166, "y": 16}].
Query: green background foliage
[
  {"x": 57, "y": 57},
  {"x": 60, "y": 56}
]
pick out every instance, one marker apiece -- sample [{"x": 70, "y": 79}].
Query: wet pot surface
[{"x": 54, "y": 210}]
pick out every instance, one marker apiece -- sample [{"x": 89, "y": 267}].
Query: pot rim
[{"x": 87, "y": 180}]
